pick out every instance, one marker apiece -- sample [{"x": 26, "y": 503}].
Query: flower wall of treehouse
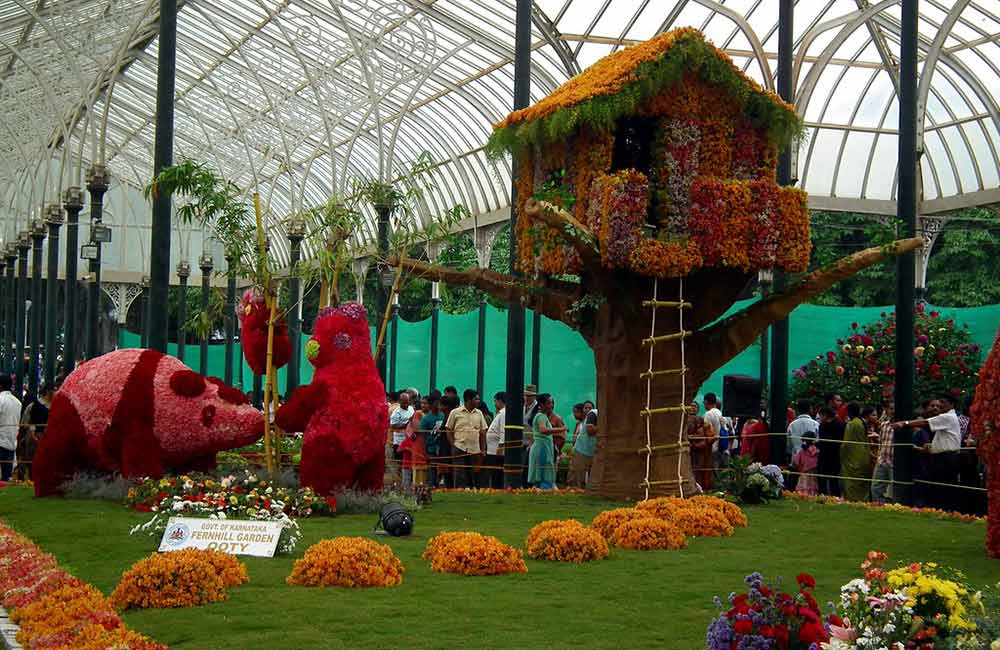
[{"x": 705, "y": 183}]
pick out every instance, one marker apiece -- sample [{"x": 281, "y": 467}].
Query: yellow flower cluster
[
  {"x": 178, "y": 579},
  {"x": 472, "y": 554},
  {"x": 97, "y": 637},
  {"x": 649, "y": 534},
  {"x": 662, "y": 507},
  {"x": 62, "y": 611},
  {"x": 732, "y": 512},
  {"x": 347, "y": 562},
  {"x": 607, "y": 522},
  {"x": 703, "y": 522},
  {"x": 921, "y": 586},
  {"x": 566, "y": 541},
  {"x": 698, "y": 516}
]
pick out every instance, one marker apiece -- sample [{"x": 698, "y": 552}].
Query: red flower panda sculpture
[{"x": 253, "y": 315}]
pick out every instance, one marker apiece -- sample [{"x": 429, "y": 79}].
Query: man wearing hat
[{"x": 530, "y": 411}]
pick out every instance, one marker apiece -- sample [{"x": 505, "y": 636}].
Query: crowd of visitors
[
  {"x": 441, "y": 439},
  {"x": 22, "y": 424},
  {"x": 848, "y": 450}
]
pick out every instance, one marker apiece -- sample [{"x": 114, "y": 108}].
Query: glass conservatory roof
[{"x": 294, "y": 98}]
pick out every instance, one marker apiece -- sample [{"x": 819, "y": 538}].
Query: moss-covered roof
[{"x": 616, "y": 85}]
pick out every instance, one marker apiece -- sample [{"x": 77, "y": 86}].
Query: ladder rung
[
  {"x": 663, "y": 409},
  {"x": 672, "y": 445},
  {"x": 664, "y": 338},
  {"x": 670, "y": 482},
  {"x": 666, "y": 303},
  {"x": 662, "y": 373}
]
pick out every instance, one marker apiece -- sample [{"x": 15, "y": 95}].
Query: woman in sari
[
  {"x": 541, "y": 458},
  {"x": 855, "y": 457}
]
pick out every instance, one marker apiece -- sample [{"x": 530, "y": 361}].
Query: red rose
[
  {"x": 806, "y": 580},
  {"x": 743, "y": 626}
]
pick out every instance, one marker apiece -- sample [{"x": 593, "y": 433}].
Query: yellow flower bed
[
  {"x": 663, "y": 507},
  {"x": 566, "y": 541},
  {"x": 61, "y": 611},
  {"x": 732, "y": 512},
  {"x": 702, "y": 521},
  {"x": 347, "y": 562},
  {"x": 921, "y": 585},
  {"x": 179, "y": 579},
  {"x": 607, "y": 522},
  {"x": 472, "y": 554},
  {"x": 649, "y": 534}
]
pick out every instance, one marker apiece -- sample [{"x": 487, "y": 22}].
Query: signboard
[
  {"x": 88, "y": 252},
  {"x": 100, "y": 233},
  {"x": 234, "y": 536}
]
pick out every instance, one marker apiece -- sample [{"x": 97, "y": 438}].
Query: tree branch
[
  {"x": 575, "y": 233},
  {"x": 550, "y": 302},
  {"x": 724, "y": 340}
]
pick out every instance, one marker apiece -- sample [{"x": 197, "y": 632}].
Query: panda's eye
[{"x": 342, "y": 341}]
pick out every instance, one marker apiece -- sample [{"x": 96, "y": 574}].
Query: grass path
[{"x": 631, "y": 600}]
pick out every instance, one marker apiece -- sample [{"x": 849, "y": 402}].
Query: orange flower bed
[
  {"x": 347, "y": 562},
  {"x": 607, "y": 522},
  {"x": 649, "y": 534},
  {"x": 663, "y": 507},
  {"x": 54, "y": 609},
  {"x": 472, "y": 554},
  {"x": 178, "y": 579},
  {"x": 701, "y": 521},
  {"x": 732, "y": 512},
  {"x": 566, "y": 541}
]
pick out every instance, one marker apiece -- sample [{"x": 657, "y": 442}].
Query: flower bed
[
  {"x": 663, "y": 507},
  {"x": 472, "y": 554},
  {"x": 702, "y": 521},
  {"x": 565, "y": 541},
  {"x": 732, "y": 512},
  {"x": 889, "y": 507},
  {"x": 347, "y": 562},
  {"x": 649, "y": 534},
  {"x": 607, "y": 522},
  {"x": 54, "y": 609},
  {"x": 179, "y": 579}
]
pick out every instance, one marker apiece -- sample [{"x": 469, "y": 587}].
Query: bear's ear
[{"x": 187, "y": 383}]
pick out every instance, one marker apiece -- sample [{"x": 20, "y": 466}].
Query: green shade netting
[{"x": 567, "y": 364}]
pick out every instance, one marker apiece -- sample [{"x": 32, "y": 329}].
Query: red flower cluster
[{"x": 985, "y": 416}]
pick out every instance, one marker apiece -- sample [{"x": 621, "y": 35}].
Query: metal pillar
[
  {"x": 906, "y": 214},
  {"x": 205, "y": 264},
  {"x": 54, "y": 219},
  {"x": 393, "y": 342},
  {"x": 230, "y": 318},
  {"x": 73, "y": 204},
  {"x": 163, "y": 156},
  {"x": 481, "y": 349},
  {"x": 35, "y": 337},
  {"x": 435, "y": 318},
  {"x": 98, "y": 180},
  {"x": 778, "y": 395},
  {"x": 514, "y": 418},
  {"x": 4, "y": 330},
  {"x": 183, "y": 273},
  {"x": 21, "y": 368},
  {"x": 536, "y": 347},
  {"x": 144, "y": 315},
  {"x": 258, "y": 391},
  {"x": 296, "y": 233},
  {"x": 384, "y": 212},
  {"x": 10, "y": 309}
]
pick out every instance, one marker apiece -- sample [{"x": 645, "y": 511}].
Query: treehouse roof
[{"x": 613, "y": 87}]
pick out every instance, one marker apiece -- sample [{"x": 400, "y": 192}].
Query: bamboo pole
[
  {"x": 272, "y": 305},
  {"x": 388, "y": 310},
  {"x": 275, "y": 430}
]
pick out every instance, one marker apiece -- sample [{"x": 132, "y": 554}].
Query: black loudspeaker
[{"x": 741, "y": 396}]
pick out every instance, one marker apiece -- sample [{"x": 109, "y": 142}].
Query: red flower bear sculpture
[
  {"x": 253, "y": 315},
  {"x": 343, "y": 411},
  {"x": 985, "y": 415},
  {"x": 140, "y": 413}
]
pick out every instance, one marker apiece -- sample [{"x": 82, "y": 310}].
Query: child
[{"x": 805, "y": 462}]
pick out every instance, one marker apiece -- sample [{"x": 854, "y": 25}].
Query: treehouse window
[{"x": 632, "y": 144}]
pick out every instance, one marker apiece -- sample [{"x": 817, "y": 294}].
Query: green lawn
[{"x": 631, "y": 600}]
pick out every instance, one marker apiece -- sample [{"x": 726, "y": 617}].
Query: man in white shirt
[
  {"x": 494, "y": 442},
  {"x": 802, "y": 426},
  {"x": 713, "y": 418},
  {"x": 944, "y": 450},
  {"x": 10, "y": 418}
]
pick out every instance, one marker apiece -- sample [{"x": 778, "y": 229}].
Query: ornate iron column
[
  {"x": 4, "y": 330},
  {"x": 230, "y": 318},
  {"x": 98, "y": 181},
  {"x": 35, "y": 337},
  {"x": 183, "y": 272},
  {"x": 10, "y": 308},
  {"x": 21, "y": 368},
  {"x": 384, "y": 212},
  {"x": 144, "y": 315},
  {"x": 205, "y": 264},
  {"x": 54, "y": 219},
  {"x": 73, "y": 203},
  {"x": 296, "y": 233}
]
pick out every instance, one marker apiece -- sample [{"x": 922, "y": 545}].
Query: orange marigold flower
[
  {"x": 347, "y": 562},
  {"x": 178, "y": 579},
  {"x": 566, "y": 541},
  {"x": 649, "y": 534},
  {"x": 472, "y": 554},
  {"x": 732, "y": 512},
  {"x": 663, "y": 507},
  {"x": 700, "y": 521},
  {"x": 607, "y": 522}
]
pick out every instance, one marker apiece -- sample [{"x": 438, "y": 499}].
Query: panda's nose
[{"x": 312, "y": 349}]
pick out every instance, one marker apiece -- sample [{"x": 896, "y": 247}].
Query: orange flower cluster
[
  {"x": 472, "y": 554},
  {"x": 54, "y": 609},
  {"x": 662, "y": 507},
  {"x": 566, "y": 541},
  {"x": 607, "y": 522},
  {"x": 732, "y": 512},
  {"x": 698, "y": 516},
  {"x": 347, "y": 562},
  {"x": 823, "y": 499},
  {"x": 182, "y": 578},
  {"x": 649, "y": 534},
  {"x": 701, "y": 521}
]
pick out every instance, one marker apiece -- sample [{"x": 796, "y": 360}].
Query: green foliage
[
  {"x": 602, "y": 112},
  {"x": 964, "y": 270},
  {"x": 835, "y": 235},
  {"x": 862, "y": 365},
  {"x": 750, "y": 482}
]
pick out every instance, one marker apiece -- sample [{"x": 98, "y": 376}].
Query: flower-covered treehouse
[{"x": 646, "y": 181}]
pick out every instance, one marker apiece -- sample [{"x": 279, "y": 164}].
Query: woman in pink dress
[{"x": 804, "y": 461}]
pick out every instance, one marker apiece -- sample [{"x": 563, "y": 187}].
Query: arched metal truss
[{"x": 294, "y": 98}]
